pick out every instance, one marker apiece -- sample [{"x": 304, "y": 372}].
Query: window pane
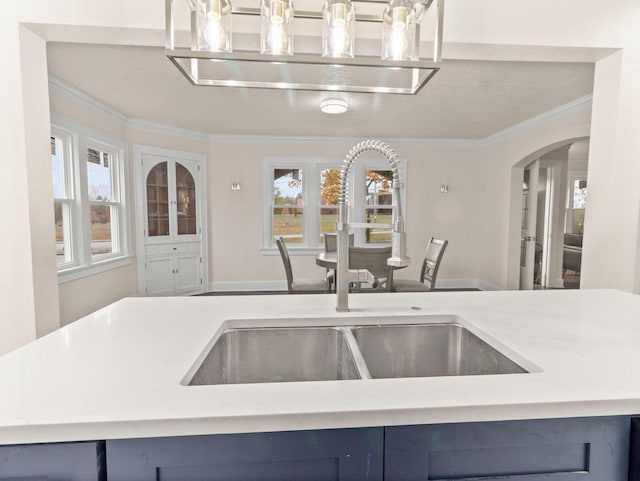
[
  {"x": 158, "y": 201},
  {"x": 377, "y": 215},
  {"x": 99, "y": 175},
  {"x": 579, "y": 194},
  {"x": 288, "y": 222},
  {"x": 578, "y": 221},
  {"x": 329, "y": 183},
  {"x": 101, "y": 234},
  {"x": 186, "y": 200},
  {"x": 57, "y": 156},
  {"x": 288, "y": 205},
  {"x": 62, "y": 253},
  {"x": 379, "y": 188}
]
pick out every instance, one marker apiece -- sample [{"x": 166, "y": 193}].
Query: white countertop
[{"x": 117, "y": 372}]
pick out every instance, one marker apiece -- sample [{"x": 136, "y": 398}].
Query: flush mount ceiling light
[
  {"x": 334, "y": 106},
  {"x": 210, "y": 59}
]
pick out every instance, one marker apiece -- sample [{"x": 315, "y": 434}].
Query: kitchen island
[{"x": 119, "y": 374}]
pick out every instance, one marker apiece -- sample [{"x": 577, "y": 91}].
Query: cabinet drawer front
[
  {"x": 581, "y": 449},
  {"x": 60, "y": 461},
  {"x": 177, "y": 248},
  {"x": 326, "y": 455}
]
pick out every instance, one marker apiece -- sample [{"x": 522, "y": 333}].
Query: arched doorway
[{"x": 545, "y": 206}]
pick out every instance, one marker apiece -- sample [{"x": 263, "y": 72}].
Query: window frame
[
  {"x": 311, "y": 193},
  {"x": 68, "y": 197},
  {"x": 80, "y": 139}
]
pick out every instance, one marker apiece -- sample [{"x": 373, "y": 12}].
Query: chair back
[
  {"x": 374, "y": 259},
  {"x": 284, "y": 253},
  {"x": 432, "y": 258},
  {"x": 331, "y": 241}
]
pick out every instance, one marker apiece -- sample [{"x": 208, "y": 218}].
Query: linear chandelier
[{"x": 210, "y": 60}]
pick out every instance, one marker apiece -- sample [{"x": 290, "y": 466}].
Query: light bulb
[
  {"x": 399, "y": 31},
  {"x": 398, "y": 43},
  {"x": 213, "y": 25},
  {"x": 214, "y": 35},
  {"x": 276, "y": 18},
  {"x": 338, "y": 28}
]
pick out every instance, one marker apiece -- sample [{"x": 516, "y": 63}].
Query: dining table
[{"x": 329, "y": 260}]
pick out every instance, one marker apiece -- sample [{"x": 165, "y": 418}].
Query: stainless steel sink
[
  {"x": 425, "y": 350},
  {"x": 277, "y": 355},
  {"x": 330, "y": 353}
]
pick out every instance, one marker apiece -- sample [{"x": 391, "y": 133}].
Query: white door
[
  {"x": 187, "y": 274},
  {"x": 160, "y": 277},
  {"x": 529, "y": 216}
]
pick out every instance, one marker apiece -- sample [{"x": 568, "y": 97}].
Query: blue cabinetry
[
  {"x": 585, "y": 449},
  {"x": 324, "y": 455},
  {"x": 575, "y": 449},
  {"x": 53, "y": 462}
]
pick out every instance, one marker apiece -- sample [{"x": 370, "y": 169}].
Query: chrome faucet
[{"x": 398, "y": 243}]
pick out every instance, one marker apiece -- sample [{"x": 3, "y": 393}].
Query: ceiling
[{"x": 465, "y": 99}]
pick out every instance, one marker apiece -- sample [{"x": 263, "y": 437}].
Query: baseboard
[
  {"x": 466, "y": 284},
  {"x": 556, "y": 283},
  {"x": 223, "y": 286}
]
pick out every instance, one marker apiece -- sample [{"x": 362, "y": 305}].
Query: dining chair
[
  {"x": 309, "y": 286},
  {"x": 428, "y": 273},
  {"x": 331, "y": 241},
  {"x": 374, "y": 259}
]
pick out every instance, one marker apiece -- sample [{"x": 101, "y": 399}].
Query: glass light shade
[
  {"x": 338, "y": 28},
  {"x": 276, "y": 17},
  {"x": 212, "y": 25},
  {"x": 399, "y": 31},
  {"x": 334, "y": 106}
]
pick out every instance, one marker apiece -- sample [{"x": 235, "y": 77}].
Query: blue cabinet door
[
  {"x": 324, "y": 455},
  {"x": 82, "y": 461},
  {"x": 578, "y": 449}
]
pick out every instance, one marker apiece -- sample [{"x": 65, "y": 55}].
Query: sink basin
[
  {"x": 447, "y": 349},
  {"x": 256, "y": 355},
  {"x": 441, "y": 346}
]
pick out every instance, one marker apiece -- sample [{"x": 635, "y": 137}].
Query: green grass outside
[{"x": 291, "y": 225}]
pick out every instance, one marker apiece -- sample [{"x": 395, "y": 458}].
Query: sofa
[{"x": 572, "y": 252}]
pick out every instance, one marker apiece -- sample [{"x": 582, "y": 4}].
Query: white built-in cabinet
[{"x": 171, "y": 222}]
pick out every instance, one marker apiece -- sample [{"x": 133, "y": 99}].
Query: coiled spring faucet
[{"x": 398, "y": 242}]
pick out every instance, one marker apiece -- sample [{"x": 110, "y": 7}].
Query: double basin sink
[{"x": 326, "y": 353}]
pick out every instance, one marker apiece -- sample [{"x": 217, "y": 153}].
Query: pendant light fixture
[
  {"x": 338, "y": 28},
  {"x": 212, "y": 27},
  {"x": 332, "y": 65},
  {"x": 276, "y": 17},
  {"x": 399, "y": 31}
]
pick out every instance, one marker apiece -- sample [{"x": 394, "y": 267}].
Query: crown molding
[
  {"x": 578, "y": 105},
  {"x": 60, "y": 86},
  {"x": 166, "y": 129}
]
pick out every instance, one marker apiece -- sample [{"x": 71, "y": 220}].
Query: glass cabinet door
[
  {"x": 185, "y": 201},
  {"x": 157, "y": 185}
]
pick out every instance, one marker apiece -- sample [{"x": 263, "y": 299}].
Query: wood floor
[{"x": 267, "y": 293}]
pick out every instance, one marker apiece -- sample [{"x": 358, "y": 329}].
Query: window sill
[{"x": 73, "y": 273}]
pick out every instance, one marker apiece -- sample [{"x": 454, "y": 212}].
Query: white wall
[{"x": 488, "y": 29}]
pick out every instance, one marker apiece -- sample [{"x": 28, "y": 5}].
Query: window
[
  {"x": 89, "y": 201},
  {"x": 288, "y": 205},
  {"x": 63, "y": 199},
  {"x": 378, "y": 208},
  {"x": 576, "y": 204},
  {"x": 301, "y": 200}
]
